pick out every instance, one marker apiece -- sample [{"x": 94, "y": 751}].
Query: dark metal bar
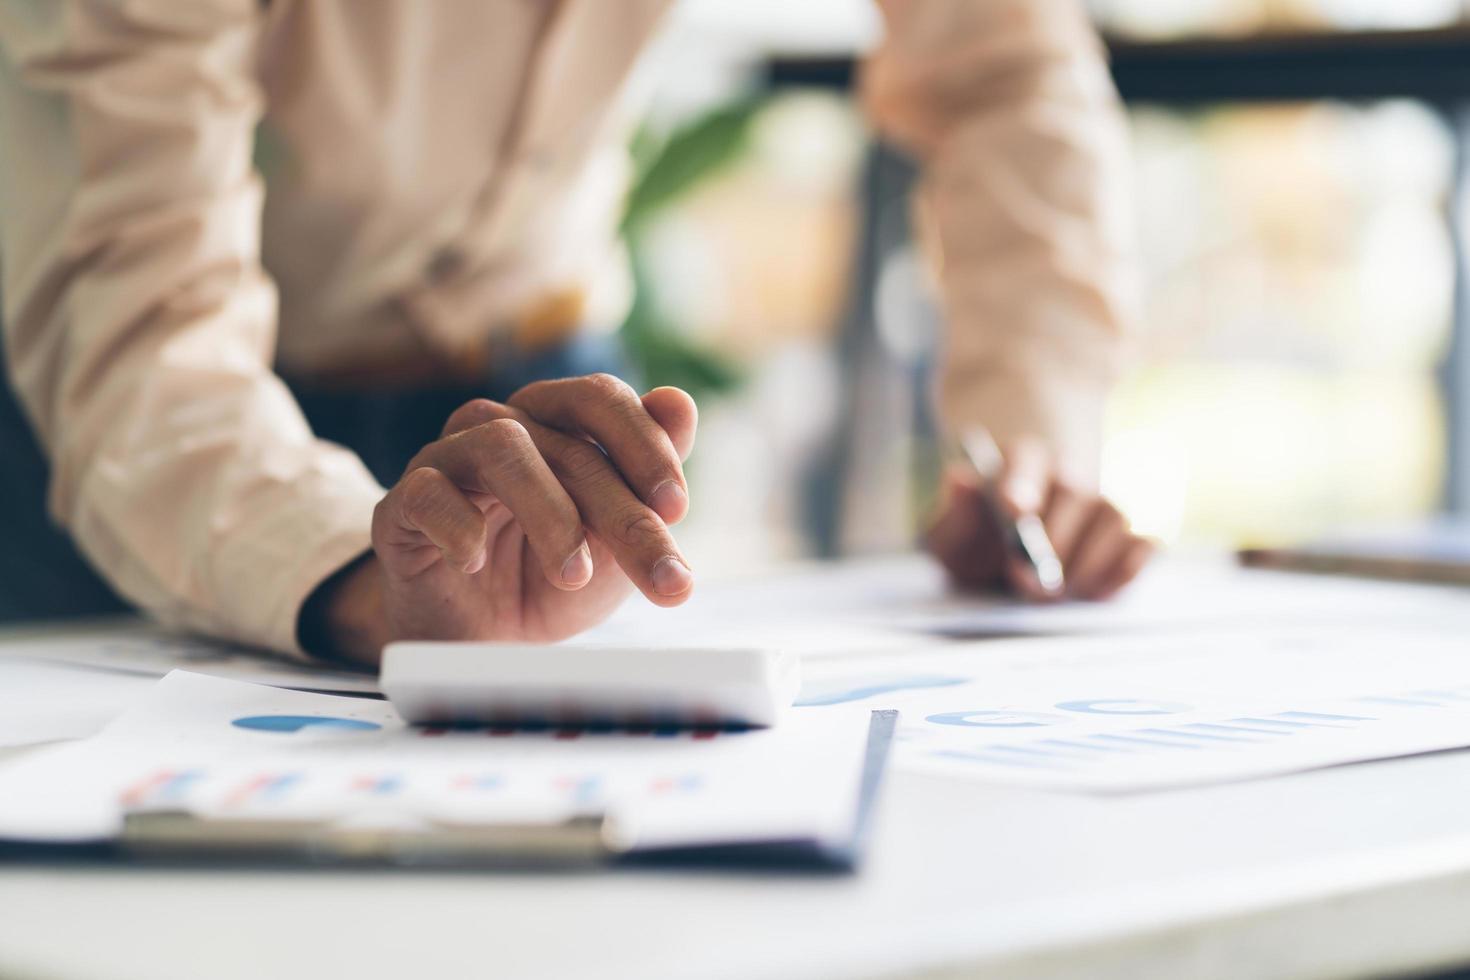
[
  {"x": 1430, "y": 65},
  {"x": 1455, "y": 371},
  {"x": 886, "y": 183}
]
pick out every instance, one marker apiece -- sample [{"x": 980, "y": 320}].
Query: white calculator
[{"x": 452, "y": 683}]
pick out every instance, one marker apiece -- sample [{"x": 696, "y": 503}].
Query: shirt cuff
[
  {"x": 337, "y": 544},
  {"x": 289, "y": 545},
  {"x": 1063, "y": 410}
]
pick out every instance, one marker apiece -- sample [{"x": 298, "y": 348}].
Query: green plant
[{"x": 667, "y": 170}]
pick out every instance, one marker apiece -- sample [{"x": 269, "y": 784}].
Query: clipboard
[
  {"x": 1437, "y": 553},
  {"x": 587, "y": 841}
]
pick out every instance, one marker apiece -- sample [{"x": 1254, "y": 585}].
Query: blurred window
[
  {"x": 1299, "y": 277},
  {"x": 1298, "y": 299},
  {"x": 1172, "y": 18}
]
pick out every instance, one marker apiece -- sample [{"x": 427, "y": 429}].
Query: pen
[{"x": 1025, "y": 536}]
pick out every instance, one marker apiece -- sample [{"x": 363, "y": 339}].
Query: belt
[{"x": 549, "y": 322}]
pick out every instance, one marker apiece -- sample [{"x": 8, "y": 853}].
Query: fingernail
[
  {"x": 669, "y": 500},
  {"x": 578, "y": 568},
  {"x": 671, "y": 577}
]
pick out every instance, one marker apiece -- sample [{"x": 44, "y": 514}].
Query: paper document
[
  {"x": 898, "y": 604},
  {"x": 1162, "y": 710},
  {"x": 41, "y": 702},
  {"x": 136, "y": 647},
  {"x": 223, "y": 748},
  {"x": 1178, "y": 594}
]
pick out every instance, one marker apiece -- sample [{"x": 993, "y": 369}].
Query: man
[{"x": 444, "y": 180}]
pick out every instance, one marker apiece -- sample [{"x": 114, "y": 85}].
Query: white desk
[{"x": 1357, "y": 871}]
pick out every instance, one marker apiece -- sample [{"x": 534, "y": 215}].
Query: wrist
[{"x": 344, "y": 619}]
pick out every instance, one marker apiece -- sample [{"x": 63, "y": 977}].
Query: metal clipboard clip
[{"x": 181, "y": 835}]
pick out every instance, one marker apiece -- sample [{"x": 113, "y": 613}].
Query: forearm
[
  {"x": 140, "y": 325},
  {"x": 1023, "y": 205}
]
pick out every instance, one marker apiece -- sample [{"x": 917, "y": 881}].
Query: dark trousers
[{"x": 42, "y": 576}]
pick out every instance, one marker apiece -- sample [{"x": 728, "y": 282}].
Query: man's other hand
[{"x": 1099, "y": 551}]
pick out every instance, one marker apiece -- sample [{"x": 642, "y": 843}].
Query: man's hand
[
  {"x": 1099, "y": 552},
  {"x": 526, "y": 521}
]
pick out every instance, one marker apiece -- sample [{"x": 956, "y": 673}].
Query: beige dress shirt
[{"x": 437, "y": 170}]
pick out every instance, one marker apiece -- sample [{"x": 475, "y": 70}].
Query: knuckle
[
  {"x": 480, "y": 406},
  {"x": 605, "y": 387},
  {"x": 497, "y": 444},
  {"x": 636, "y": 525},
  {"x": 500, "y": 446},
  {"x": 507, "y": 433},
  {"x": 473, "y": 412},
  {"x": 414, "y": 511},
  {"x": 581, "y": 461},
  {"x": 530, "y": 391},
  {"x": 417, "y": 510},
  {"x": 419, "y": 484},
  {"x": 606, "y": 381},
  {"x": 540, "y": 400}
]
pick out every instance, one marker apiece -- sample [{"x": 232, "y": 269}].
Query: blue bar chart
[{"x": 1135, "y": 715}]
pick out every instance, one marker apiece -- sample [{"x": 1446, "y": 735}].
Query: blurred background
[{"x": 1296, "y": 371}]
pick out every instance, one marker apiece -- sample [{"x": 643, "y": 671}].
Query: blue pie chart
[{"x": 295, "y": 723}]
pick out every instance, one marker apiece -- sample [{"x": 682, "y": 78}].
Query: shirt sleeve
[
  {"x": 140, "y": 326},
  {"x": 1023, "y": 205}
]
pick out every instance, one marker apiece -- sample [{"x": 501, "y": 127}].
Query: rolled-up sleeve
[
  {"x": 139, "y": 324},
  {"x": 1024, "y": 204}
]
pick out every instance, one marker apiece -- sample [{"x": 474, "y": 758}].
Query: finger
[
  {"x": 427, "y": 503},
  {"x": 1064, "y": 515},
  {"x": 605, "y": 409},
  {"x": 1020, "y": 487},
  {"x": 1127, "y": 567},
  {"x": 964, "y": 538},
  {"x": 675, "y": 411},
  {"x": 638, "y": 538},
  {"x": 1021, "y": 577},
  {"x": 499, "y": 458},
  {"x": 476, "y": 411},
  {"x": 1104, "y": 539}
]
